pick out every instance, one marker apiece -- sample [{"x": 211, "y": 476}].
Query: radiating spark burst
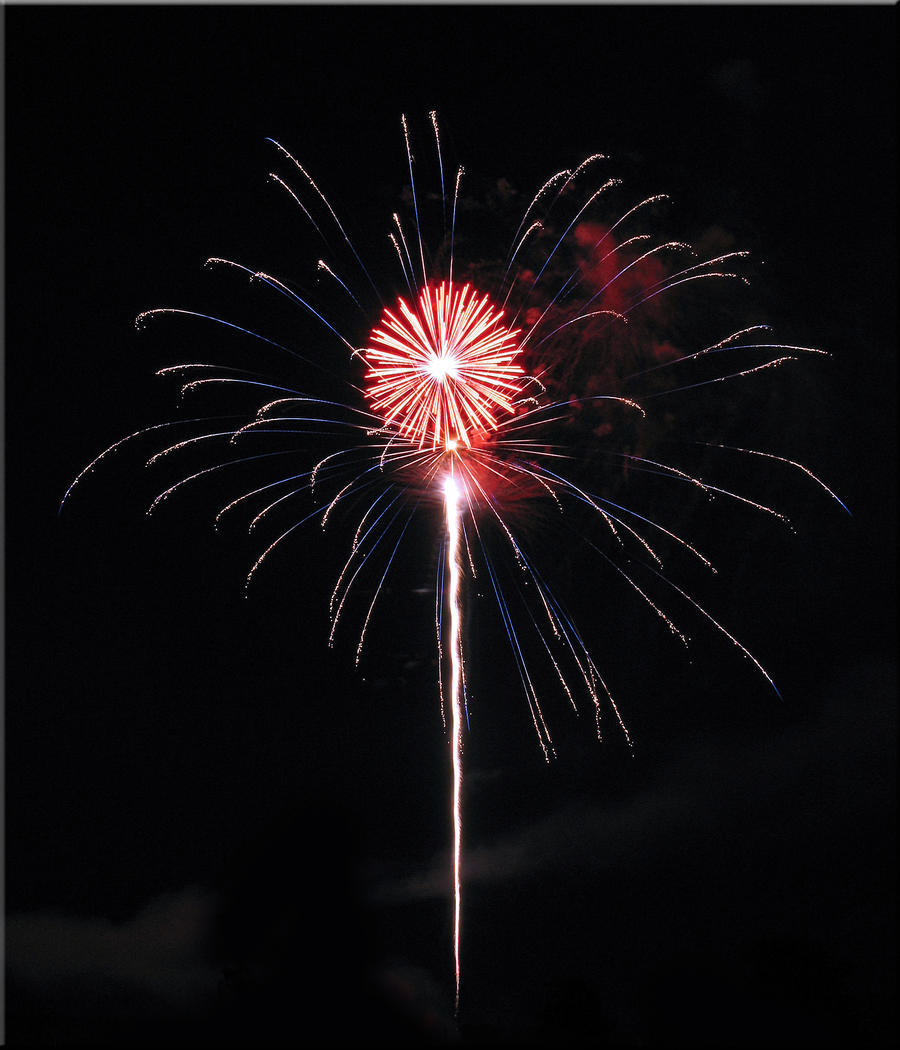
[
  {"x": 471, "y": 406},
  {"x": 442, "y": 372}
]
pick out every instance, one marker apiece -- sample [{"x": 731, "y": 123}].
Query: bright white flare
[{"x": 444, "y": 366}]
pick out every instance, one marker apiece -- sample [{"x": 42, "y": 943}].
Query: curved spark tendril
[{"x": 466, "y": 408}]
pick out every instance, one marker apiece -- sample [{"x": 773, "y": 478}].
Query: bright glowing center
[{"x": 443, "y": 366}]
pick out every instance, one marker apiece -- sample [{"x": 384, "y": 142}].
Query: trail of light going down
[{"x": 451, "y": 505}]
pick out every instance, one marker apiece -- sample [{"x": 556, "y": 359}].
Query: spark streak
[{"x": 451, "y": 505}]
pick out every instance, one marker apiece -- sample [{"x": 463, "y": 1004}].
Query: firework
[
  {"x": 476, "y": 395},
  {"x": 443, "y": 371},
  {"x": 452, "y": 503}
]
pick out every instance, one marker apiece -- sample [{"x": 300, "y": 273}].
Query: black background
[{"x": 731, "y": 881}]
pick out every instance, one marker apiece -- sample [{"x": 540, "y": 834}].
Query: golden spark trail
[{"x": 451, "y": 506}]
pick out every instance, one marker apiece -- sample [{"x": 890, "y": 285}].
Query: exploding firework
[
  {"x": 444, "y": 371},
  {"x": 478, "y": 396}
]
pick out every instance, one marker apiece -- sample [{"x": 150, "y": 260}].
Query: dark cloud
[{"x": 161, "y": 951}]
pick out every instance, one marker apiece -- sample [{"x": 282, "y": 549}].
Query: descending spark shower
[{"x": 468, "y": 391}]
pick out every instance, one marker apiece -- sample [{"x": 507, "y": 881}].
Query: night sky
[{"x": 219, "y": 831}]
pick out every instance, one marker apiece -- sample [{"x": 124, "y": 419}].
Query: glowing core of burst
[{"x": 441, "y": 367}]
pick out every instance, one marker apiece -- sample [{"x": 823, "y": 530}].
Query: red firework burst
[{"x": 444, "y": 371}]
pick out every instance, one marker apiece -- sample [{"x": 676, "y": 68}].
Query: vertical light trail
[{"x": 451, "y": 506}]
